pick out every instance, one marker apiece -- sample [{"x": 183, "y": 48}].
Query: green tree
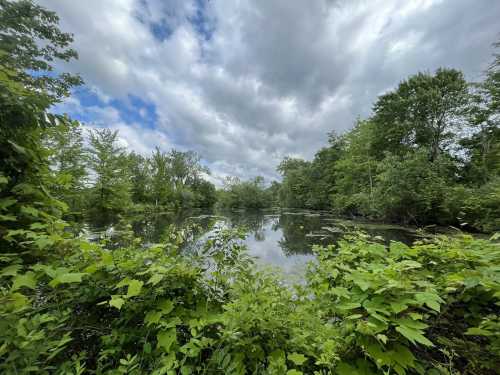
[
  {"x": 161, "y": 179},
  {"x": 355, "y": 173},
  {"x": 30, "y": 41},
  {"x": 140, "y": 175},
  {"x": 424, "y": 111},
  {"x": 108, "y": 161},
  {"x": 483, "y": 147},
  {"x": 185, "y": 168},
  {"x": 296, "y": 182},
  {"x": 411, "y": 188},
  {"x": 244, "y": 194},
  {"x": 205, "y": 193},
  {"x": 322, "y": 173},
  {"x": 68, "y": 160}
]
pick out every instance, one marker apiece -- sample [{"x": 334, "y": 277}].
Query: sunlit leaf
[
  {"x": 297, "y": 358},
  {"x": 27, "y": 280},
  {"x": 167, "y": 338}
]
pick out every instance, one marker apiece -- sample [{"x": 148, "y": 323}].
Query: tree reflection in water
[{"x": 282, "y": 239}]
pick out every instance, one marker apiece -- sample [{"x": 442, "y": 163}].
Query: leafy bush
[
  {"x": 411, "y": 188},
  {"x": 478, "y": 209},
  {"x": 365, "y": 309}
]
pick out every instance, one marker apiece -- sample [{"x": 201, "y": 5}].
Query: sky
[{"x": 245, "y": 83}]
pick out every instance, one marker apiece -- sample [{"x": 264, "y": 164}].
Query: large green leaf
[
  {"x": 27, "y": 280},
  {"x": 297, "y": 358},
  {"x": 167, "y": 338},
  {"x": 414, "y": 335},
  {"x": 116, "y": 301},
  {"x": 134, "y": 288}
]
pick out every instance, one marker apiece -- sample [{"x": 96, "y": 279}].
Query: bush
[
  {"x": 411, "y": 188},
  {"x": 365, "y": 309},
  {"x": 477, "y": 209}
]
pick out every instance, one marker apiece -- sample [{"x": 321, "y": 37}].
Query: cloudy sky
[{"x": 246, "y": 82}]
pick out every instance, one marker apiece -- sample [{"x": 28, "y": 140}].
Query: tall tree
[
  {"x": 483, "y": 147},
  {"x": 30, "y": 40},
  {"x": 295, "y": 188},
  {"x": 140, "y": 175},
  {"x": 111, "y": 191},
  {"x": 355, "y": 172},
  {"x": 424, "y": 111},
  {"x": 185, "y": 168},
  {"x": 68, "y": 161},
  {"x": 161, "y": 179}
]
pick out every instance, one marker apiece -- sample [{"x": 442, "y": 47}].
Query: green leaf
[
  {"x": 116, "y": 301},
  {"x": 414, "y": 335},
  {"x": 152, "y": 317},
  {"x": 18, "y": 148},
  {"x": 107, "y": 258},
  {"x": 167, "y": 338},
  {"x": 124, "y": 282},
  {"x": 382, "y": 338},
  {"x": 354, "y": 316},
  {"x": 7, "y": 218},
  {"x": 36, "y": 226},
  {"x": 398, "y": 306},
  {"x": 166, "y": 306},
  {"x": 11, "y": 270},
  {"x": 43, "y": 242},
  {"x": 403, "y": 356},
  {"x": 348, "y": 305},
  {"x": 7, "y": 202},
  {"x": 478, "y": 332},
  {"x": 156, "y": 278},
  {"x": 30, "y": 211},
  {"x": 27, "y": 280},
  {"x": 432, "y": 300},
  {"x": 19, "y": 300},
  {"x": 294, "y": 372},
  {"x": 398, "y": 249},
  {"x": 411, "y": 323},
  {"x": 67, "y": 278},
  {"x": 134, "y": 288},
  {"x": 344, "y": 368},
  {"x": 297, "y": 358}
]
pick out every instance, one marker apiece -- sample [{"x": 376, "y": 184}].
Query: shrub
[{"x": 365, "y": 309}]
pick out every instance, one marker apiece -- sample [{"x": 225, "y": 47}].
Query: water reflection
[{"x": 280, "y": 239}]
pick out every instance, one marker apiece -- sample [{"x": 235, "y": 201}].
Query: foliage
[
  {"x": 366, "y": 308},
  {"x": 68, "y": 161},
  {"x": 424, "y": 110},
  {"x": 30, "y": 40},
  {"x": 412, "y": 187},
  {"x": 28, "y": 213},
  {"x": 69, "y": 306},
  {"x": 429, "y": 154},
  {"x": 296, "y": 185},
  {"x": 111, "y": 191},
  {"x": 244, "y": 194},
  {"x": 406, "y": 308},
  {"x": 475, "y": 208}
]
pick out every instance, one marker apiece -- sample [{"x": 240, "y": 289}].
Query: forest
[{"x": 429, "y": 154}]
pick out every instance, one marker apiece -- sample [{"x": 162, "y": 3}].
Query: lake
[{"x": 278, "y": 238}]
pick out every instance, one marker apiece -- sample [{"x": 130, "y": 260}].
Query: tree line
[
  {"x": 429, "y": 154},
  {"x": 96, "y": 175}
]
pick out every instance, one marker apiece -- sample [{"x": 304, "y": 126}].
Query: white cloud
[{"x": 245, "y": 83}]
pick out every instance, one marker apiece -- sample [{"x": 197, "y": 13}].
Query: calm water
[{"x": 281, "y": 239}]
